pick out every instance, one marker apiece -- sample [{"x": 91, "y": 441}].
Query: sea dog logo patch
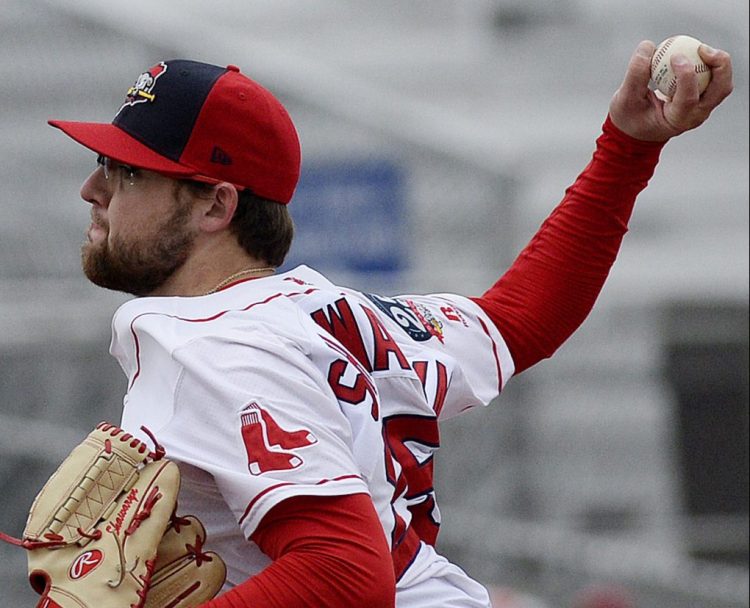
[
  {"x": 142, "y": 90},
  {"x": 414, "y": 319}
]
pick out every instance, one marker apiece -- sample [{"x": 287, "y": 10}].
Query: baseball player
[{"x": 304, "y": 416}]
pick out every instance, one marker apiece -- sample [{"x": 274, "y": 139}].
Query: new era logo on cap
[
  {"x": 196, "y": 120},
  {"x": 220, "y": 156}
]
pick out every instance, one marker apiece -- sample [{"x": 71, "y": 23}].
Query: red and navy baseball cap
[{"x": 187, "y": 119}]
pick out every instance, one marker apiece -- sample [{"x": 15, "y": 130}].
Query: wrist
[{"x": 628, "y": 142}]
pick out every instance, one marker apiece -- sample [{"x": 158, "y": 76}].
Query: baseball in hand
[{"x": 661, "y": 68}]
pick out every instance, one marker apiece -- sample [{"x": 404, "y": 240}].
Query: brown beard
[{"x": 139, "y": 268}]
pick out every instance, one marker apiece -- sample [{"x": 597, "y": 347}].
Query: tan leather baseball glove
[
  {"x": 185, "y": 575},
  {"x": 103, "y": 533}
]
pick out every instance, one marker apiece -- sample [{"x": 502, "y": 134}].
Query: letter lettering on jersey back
[
  {"x": 356, "y": 392},
  {"x": 441, "y": 382},
  {"x": 413, "y": 441},
  {"x": 339, "y": 321},
  {"x": 385, "y": 345}
]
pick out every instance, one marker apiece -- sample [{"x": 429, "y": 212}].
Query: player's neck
[{"x": 211, "y": 267}]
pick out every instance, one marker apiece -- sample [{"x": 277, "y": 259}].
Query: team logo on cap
[{"x": 142, "y": 90}]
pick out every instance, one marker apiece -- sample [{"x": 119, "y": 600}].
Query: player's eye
[{"x": 115, "y": 171}]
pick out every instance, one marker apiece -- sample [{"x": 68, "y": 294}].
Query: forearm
[
  {"x": 553, "y": 284},
  {"x": 327, "y": 552}
]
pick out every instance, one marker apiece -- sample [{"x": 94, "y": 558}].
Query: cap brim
[{"x": 109, "y": 140}]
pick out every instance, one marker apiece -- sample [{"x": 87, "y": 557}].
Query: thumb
[{"x": 638, "y": 74}]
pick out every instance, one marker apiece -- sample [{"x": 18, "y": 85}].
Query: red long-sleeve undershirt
[
  {"x": 551, "y": 287},
  {"x": 327, "y": 551},
  {"x": 331, "y": 551}
]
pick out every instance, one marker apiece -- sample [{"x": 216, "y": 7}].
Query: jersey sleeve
[
  {"x": 477, "y": 359},
  {"x": 553, "y": 284},
  {"x": 257, "y": 415},
  {"x": 457, "y": 353}
]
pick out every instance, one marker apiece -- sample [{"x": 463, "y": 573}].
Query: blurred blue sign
[{"x": 350, "y": 216}]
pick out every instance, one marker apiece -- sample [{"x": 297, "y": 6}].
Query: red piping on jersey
[
  {"x": 200, "y": 320},
  {"x": 441, "y": 390},
  {"x": 497, "y": 357},
  {"x": 282, "y": 485},
  {"x": 261, "y": 495}
]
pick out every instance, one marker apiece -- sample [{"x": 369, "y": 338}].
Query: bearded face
[{"x": 138, "y": 262}]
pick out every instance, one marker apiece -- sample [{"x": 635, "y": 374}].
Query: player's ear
[{"x": 217, "y": 210}]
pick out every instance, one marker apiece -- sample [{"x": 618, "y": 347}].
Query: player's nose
[{"x": 94, "y": 190}]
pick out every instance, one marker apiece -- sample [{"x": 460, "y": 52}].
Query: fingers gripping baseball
[
  {"x": 689, "y": 109},
  {"x": 722, "y": 80},
  {"x": 637, "y": 110},
  {"x": 634, "y": 108}
]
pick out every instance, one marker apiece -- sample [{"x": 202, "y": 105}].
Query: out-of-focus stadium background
[{"x": 437, "y": 135}]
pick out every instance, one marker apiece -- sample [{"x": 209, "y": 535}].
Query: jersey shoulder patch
[{"x": 415, "y": 319}]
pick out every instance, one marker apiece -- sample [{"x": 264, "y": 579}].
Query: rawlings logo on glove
[
  {"x": 103, "y": 532},
  {"x": 85, "y": 563}
]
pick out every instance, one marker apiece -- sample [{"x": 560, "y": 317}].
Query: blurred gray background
[{"x": 440, "y": 133}]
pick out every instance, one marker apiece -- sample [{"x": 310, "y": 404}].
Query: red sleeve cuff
[
  {"x": 327, "y": 551},
  {"x": 630, "y": 145}
]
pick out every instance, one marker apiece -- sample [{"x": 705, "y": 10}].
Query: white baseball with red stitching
[{"x": 662, "y": 73}]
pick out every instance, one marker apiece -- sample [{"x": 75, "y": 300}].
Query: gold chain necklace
[{"x": 238, "y": 275}]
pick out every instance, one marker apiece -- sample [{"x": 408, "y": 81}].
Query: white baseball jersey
[{"x": 290, "y": 385}]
